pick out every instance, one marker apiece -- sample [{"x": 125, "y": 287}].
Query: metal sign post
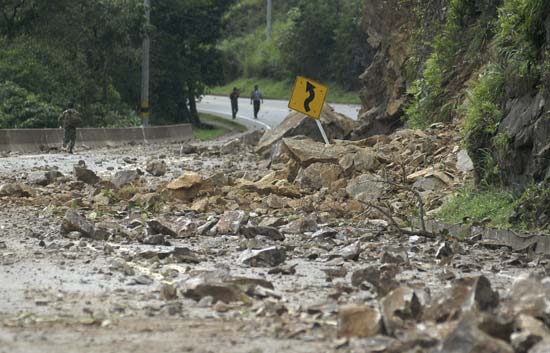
[{"x": 322, "y": 131}]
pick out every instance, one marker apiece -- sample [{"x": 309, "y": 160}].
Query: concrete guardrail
[{"x": 35, "y": 140}]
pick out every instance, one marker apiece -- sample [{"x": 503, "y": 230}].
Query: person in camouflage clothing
[{"x": 70, "y": 120}]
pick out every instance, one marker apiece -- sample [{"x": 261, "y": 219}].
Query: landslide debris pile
[{"x": 293, "y": 243}]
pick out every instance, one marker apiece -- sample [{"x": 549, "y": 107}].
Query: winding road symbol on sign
[
  {"x": 311, "y": 89},
  {"x": 308, "y": 97}
]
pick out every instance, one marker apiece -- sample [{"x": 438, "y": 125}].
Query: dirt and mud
[{"x": 220, "y": 252}]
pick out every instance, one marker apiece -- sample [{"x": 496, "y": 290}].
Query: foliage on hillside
[
  {"x": 89, "y": 52},
  {"x": 318, "y": 38},
  {"x": 473, "y": 65}
]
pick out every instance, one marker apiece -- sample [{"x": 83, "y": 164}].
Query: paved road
[{"x": 272, "y": 112}]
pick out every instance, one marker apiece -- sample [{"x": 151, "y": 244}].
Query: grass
[
  {"x": 221, "y": 127},
  {"x": 230, "y": 125},
  {"x": 273, "y": 89},
  {"x": 470, "y": 205}
]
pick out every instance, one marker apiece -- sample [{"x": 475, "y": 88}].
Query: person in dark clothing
[
  {"x": 234, "y": 97},
  {"x": 70, "y": 120},
  {"x": 255, "y": 98}
]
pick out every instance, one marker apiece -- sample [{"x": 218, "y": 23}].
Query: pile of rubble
[{"x": 300, "y": 242}]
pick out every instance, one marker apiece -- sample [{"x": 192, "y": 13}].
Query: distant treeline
[
  {"x": 323, "y": 39},
  {"x": 89, "y": 52}
]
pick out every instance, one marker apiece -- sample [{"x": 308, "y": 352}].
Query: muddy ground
[{"x": 71, "y": 293}]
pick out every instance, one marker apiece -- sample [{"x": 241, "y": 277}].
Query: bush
[
  {"x": 436, "y": 94},
  {"x": 21, "y": 109},
  {"x": 483, "y": 115}
]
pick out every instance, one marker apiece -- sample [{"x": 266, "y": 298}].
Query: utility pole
[
  {"x": 145, "y": 109},
  {"x": 269, "y": 10}
]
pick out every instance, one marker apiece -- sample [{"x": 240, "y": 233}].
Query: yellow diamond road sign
[{"x": 308, "y": 97}]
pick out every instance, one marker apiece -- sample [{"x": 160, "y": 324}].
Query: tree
[{"x": 184, "y": 57}]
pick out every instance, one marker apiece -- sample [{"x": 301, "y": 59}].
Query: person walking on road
[
  {"x": 255, "y": 98},
  {"x": 234, "y": 97},
  {"x": 70, "y": 120}
]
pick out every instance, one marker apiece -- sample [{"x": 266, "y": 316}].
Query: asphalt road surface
[{"x": 272, "y": 112}]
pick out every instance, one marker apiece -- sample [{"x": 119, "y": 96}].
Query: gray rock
[
  {"x": 15, "y": 190},
  {"x": 142, "y": 280},
  {"x": 530, "y": 296},
  {"x": 199, "y": 288},
  {"x": 528, "y": 331},
  {"x": 380, "y": 279},
  {"x": 156, "y": 168},
  {"x": 429, "y": 184},
  {"x": 251, "y": 231},
  {"x": 231, "y": 146},
  {"x": 73, "y": 222},
  {"x": 464, "y": 162},
  {"x": 42, "y": 178},
  {"x": 124, "y": 177},
  {"x": 469, "y": 294},
  {"x": 541, "y": 347},
  {"x": 468, "y": 338},
  {"x": 359, "y": 321},
  {"x": 230, "y": 222},
  {"x": 156, "y": 226},
  {"x": 157, "y": 239},
  {"x": 351, "y": 252},
  {"x": 366, "y": 188},
  {"x": 337, "y": 126},
  {"x": 400, "y": 307},
  {"x": 168, "y": 292},
  {"x": 301, "y": 225},
  {"x": 269, "y": 257},
  {"x": 318, "y": 175},
  {"x": 207, "y": 226},
  {"x": 85, "y": 175}
]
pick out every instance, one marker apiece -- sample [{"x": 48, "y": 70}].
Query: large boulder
[{"x": 337, "y": 126}]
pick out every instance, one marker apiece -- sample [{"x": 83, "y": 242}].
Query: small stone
[
  {"x": 269, "y": 257},
  {"x": 73, "y": 222},
  {"x": 273, "y": 233},
  {"x": 156, "y": 168},
  {"x": 156, "y": 226},
  {"x": 168, "y": 292},
  {"x": 468, "y": 338},
  {"x": 15, "y": 190},
  {"x": 142, "y": 280},
  {"x": 85, "y": 175},
  {"x": 124, "y": 177},
  {"x": 230, "y": 222},
  {"x": 366, "y": 188},
  {"x": 464, "y": 162},
  {"x": 400, "y": 306},
  {"x": 198, "y": 289},
  {"x": 359, "y": 321}
]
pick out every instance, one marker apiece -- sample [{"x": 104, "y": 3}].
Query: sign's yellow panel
[{"x": 308, "y": 97}]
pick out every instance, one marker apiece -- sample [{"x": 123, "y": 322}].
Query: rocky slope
[{"x": 415, "y": 42}]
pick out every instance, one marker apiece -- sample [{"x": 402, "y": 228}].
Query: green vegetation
[
  {"x": 208, "y": 133},
  {"x": 215, "y": 127},
  {"x": 221, "y": 122},
  {"x": 470, "y": 205},
  {"x": 89, "y": 52},
  {"x": 317, "y": 38},
  {"x": 531, "y": 209},
  {"x": 276, "y": 89},
  {"x": 437, "y": 91}
]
